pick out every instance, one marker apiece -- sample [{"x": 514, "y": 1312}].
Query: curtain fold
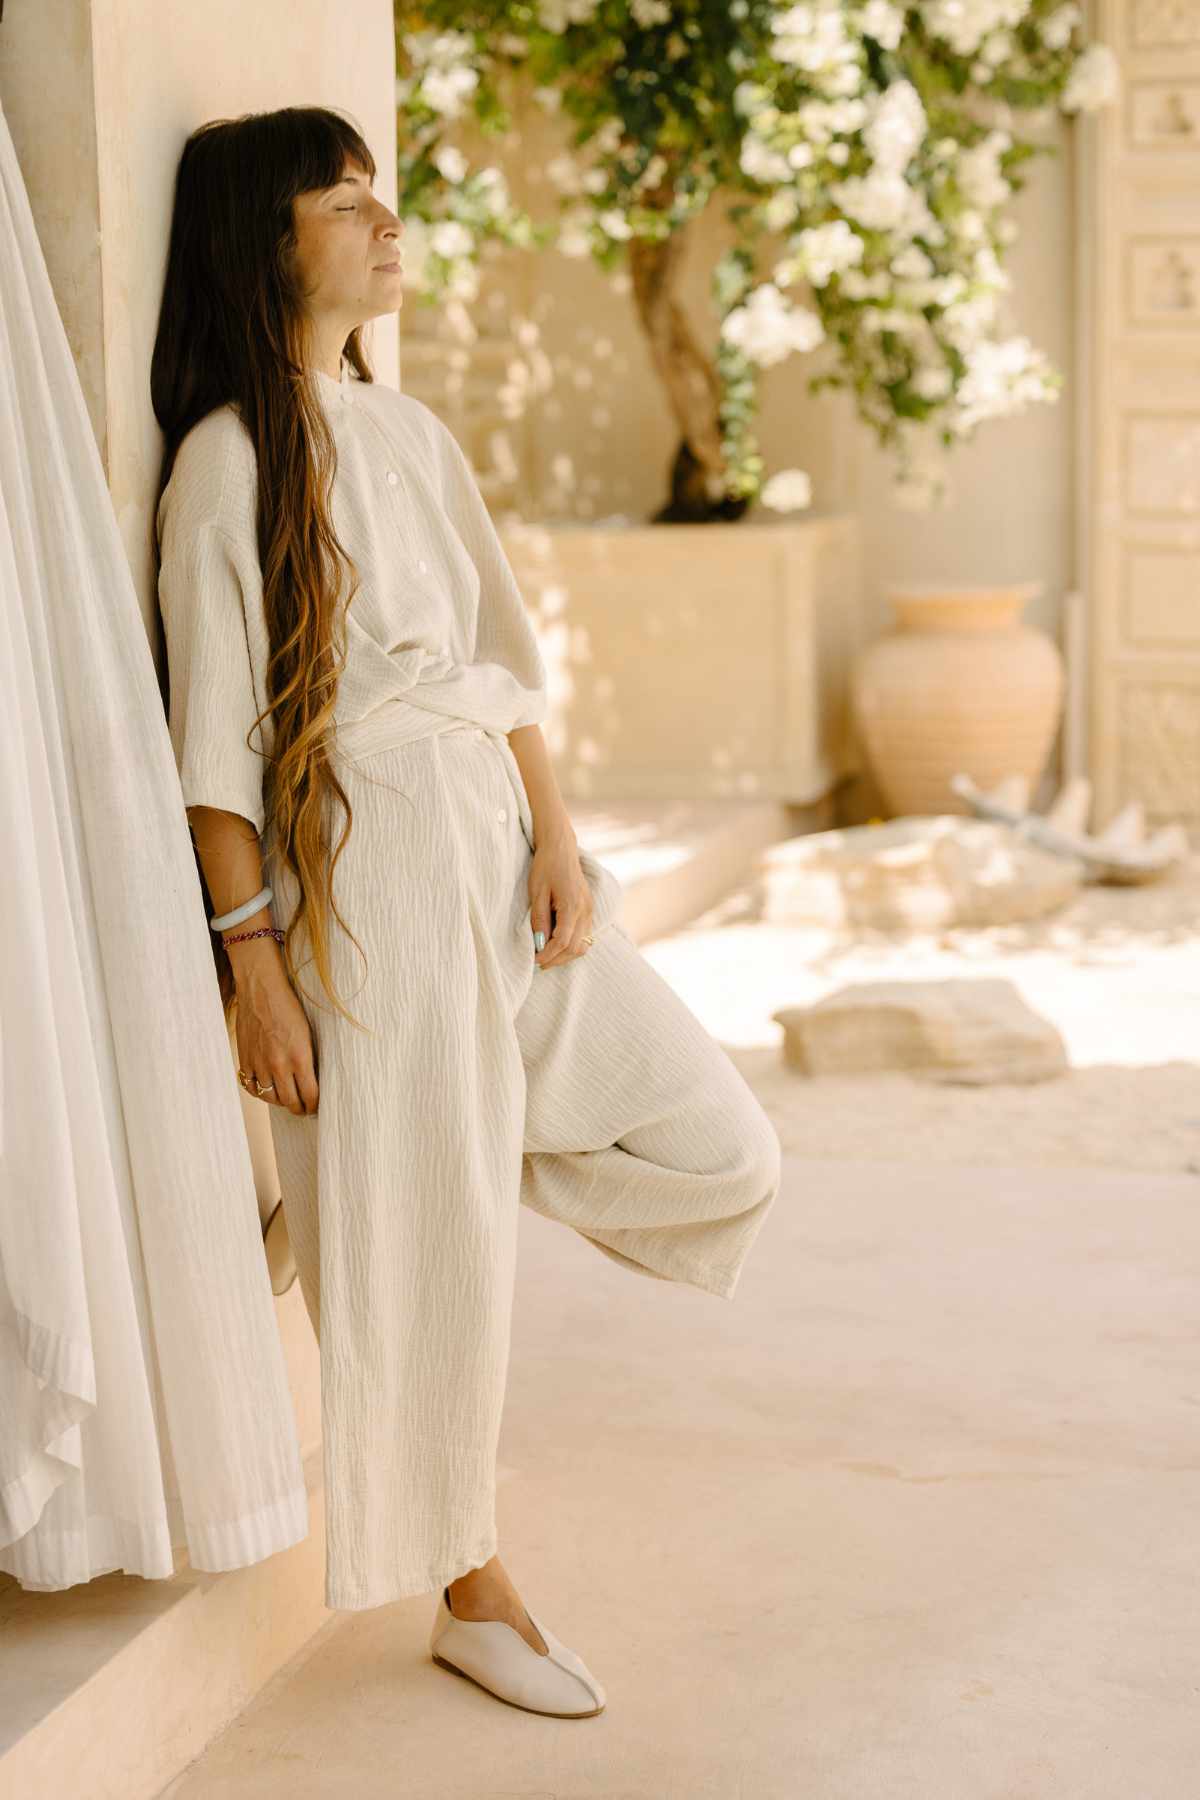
[{"x": 144, "y": 1399}]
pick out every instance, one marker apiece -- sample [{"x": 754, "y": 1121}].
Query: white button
[
  {"x": 501, "y": 815},
  {"x": 393, "y": 478},
  {"x": 424, "y": 567},
  {"x": 479, "y": 731}
]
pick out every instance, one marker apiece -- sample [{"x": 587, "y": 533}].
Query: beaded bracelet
[{"x": 263, "y": 931}]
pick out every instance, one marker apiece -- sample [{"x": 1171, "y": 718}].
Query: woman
[{"x": 353, "y": 677}]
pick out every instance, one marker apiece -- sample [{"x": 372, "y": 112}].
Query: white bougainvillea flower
[
  {"x": 450, "y": 162},
  {"x": 431, "y": 46},
  {"x": 912, "y": 264},
  {"x": 614, "y": 223},
  {"x": 857, "y": 286},
  {"x": 1093, "y": 82},
  {"x": 446, "y": 89},
  {"x": 574, "y": 235},
  {"x": 977, "y": 171},
  {"x": 788, "y": 490},
  {"x": 965, "y": 23},
  {"x": 895, "y": 128},
  {"x": 813, "y": 37},
  {"x": 556, "y": 15},
  {"x": 933, "y": 382},
  {"x": 1002, "y": 377},
  {"x": 464, "y": 281},
  {"x": 780, "y": 210},
  {"x": 825, "y": 250},
  {"x": 884, "y": 202},
  {"x": 749, "y": 97},
  {"x": 766, "y": 328},
  {"x": 880, "y": 20},
  {"x": 1057, "y": 28},
  {"x": 820, "y": 120},
  {"x": 650, "y": 12},
  {"x": 494, "y": 188},
  {"x": 762, "y": 163},
  {"x": 450, "y": 239}
]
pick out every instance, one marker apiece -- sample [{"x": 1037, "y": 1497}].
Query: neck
[{"x": 327, "y": 350}]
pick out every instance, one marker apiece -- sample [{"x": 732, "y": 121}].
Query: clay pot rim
[{"x": 937, "y": 594}]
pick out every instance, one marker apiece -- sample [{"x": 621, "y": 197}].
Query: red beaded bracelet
[{"x": 263, "y": 931}]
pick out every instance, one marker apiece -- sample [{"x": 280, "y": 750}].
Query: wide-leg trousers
[{"x": 587, "y": 1091}]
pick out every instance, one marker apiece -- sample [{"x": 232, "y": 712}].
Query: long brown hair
[{"x": 233, "y": 328}]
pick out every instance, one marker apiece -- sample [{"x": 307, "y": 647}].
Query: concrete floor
[{"x": 914, "y": 1515}]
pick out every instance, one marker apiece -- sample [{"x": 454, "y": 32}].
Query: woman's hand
[
  {"x": 274, "y": 1040},
  {"x": 557, "y": 882}
]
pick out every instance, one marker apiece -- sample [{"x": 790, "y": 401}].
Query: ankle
[{"x": 477, "y": 1580}]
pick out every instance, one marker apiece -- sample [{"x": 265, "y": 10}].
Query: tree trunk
[{"x": 690, "y": 381}]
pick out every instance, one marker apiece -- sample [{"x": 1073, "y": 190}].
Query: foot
[{"x": 487, "y": 1593}]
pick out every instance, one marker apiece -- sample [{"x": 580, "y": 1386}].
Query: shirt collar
[{"x": 335, "y": 390}]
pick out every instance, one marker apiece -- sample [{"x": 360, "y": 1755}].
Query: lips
[{"x": 392, "y": 268}]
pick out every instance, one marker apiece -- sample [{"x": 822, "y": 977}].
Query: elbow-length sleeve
[
  {"x": 212, "y": 701},
  {"x": 503, "y": 633}
]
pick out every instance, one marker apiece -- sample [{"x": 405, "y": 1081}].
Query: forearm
[
  {"x": 550, "y": 817},
  {"x": 230, "y": 856}
]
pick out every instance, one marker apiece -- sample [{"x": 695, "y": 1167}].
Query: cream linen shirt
[{"x": 437, "y": 617}]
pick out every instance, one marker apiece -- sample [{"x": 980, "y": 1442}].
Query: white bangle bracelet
[{"x": 245, "y": 911}]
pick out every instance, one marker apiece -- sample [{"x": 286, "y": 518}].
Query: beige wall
[{"x": 100, "y": 95}]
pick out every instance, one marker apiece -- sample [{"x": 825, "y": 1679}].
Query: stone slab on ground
[{"x": 961, "y": 1030}]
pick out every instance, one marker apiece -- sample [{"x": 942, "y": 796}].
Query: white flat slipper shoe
[{"x": 494, "y": 1656}]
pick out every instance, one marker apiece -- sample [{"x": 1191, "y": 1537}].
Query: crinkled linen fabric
[{"x": 588, "y": 1092}]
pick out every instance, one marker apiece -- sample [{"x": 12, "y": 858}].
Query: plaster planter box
[{"x": 695, "y": 661}]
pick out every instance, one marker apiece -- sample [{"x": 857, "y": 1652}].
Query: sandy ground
[{"x": 1118, "y": 973}]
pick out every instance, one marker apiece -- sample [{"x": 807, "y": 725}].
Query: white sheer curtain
[{"x": 144, "y": 1401}]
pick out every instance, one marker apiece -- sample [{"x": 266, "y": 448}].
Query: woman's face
[{"x": 347, "y": 251}]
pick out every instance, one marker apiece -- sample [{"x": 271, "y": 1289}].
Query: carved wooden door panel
[{"x": 1140, "y": 413}]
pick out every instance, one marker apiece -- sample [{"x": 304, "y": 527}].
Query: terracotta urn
[{"x": 958, "y": 683}]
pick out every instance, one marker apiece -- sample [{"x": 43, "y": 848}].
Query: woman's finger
[
  {"x": 284, "y": 1091},
  {"x": 559, "y": 938},
  {"x": 307, "y": 1088}
]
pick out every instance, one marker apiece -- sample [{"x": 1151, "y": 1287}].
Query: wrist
[
  {"x": 252, "y": 958},
  {"x": 553, "y": 832}
]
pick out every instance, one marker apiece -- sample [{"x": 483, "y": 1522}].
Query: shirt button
[
  {"x": 501, "y": 815},
  {"x": 393, "y": 478},
  {"x": 479, "y": 731},
  {"x": 424, "y": 567}
]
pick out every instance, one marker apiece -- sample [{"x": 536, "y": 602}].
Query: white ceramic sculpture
[{"x": 1122, "y": 852}]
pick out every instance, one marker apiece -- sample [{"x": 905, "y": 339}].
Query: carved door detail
[{"x": 1140, "y": 413}]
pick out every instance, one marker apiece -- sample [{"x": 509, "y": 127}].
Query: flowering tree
[{"x": 879, "y": 139}]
